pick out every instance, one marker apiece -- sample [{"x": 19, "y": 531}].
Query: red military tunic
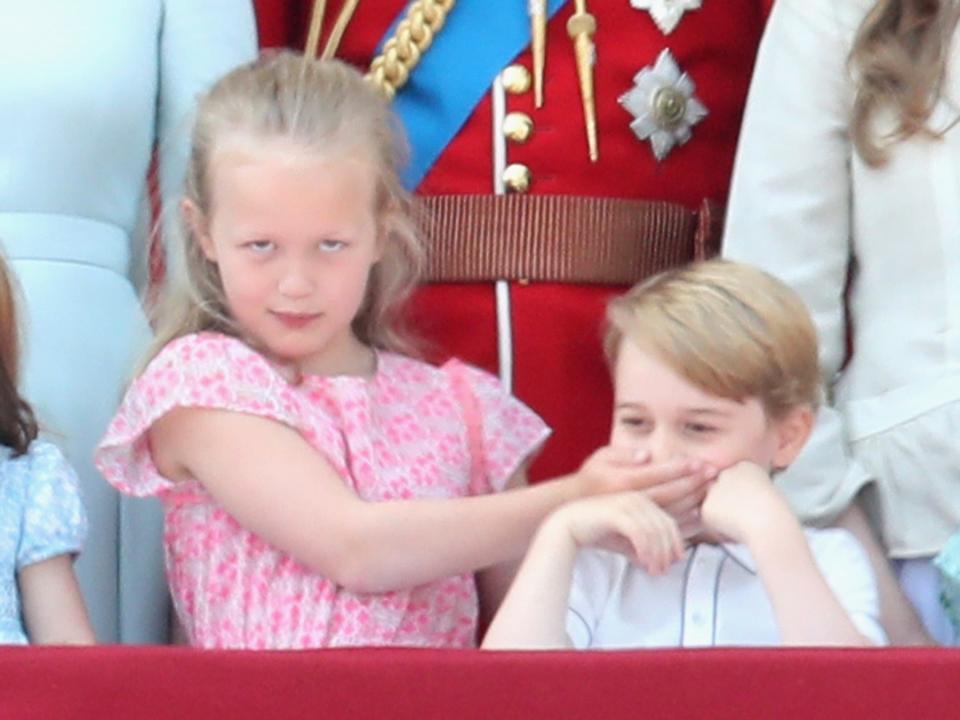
[{"x": 551, "y": 342}]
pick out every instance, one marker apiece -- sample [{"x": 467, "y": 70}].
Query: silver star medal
[
  {"x": 666, "y": 13},
  {"x": 663, "y": 105}
]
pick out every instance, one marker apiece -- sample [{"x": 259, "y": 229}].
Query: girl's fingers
[
  {"x": 650, "y": 475},
  {"x": 668, "y": 493}
]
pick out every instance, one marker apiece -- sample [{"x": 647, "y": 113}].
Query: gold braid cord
[{"x": 391, "y": 69}]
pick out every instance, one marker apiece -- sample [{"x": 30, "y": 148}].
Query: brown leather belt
[{"x": 560, "y": 238}]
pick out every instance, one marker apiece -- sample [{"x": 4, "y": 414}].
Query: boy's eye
[
  {"x": 700, "y": 428},
  {"x": 260, "y": 246},
  {"x": 330, "y": 245},
  {"x": 636, "y": 423}
]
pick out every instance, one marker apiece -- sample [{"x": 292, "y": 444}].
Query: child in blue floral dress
[
  {"x": 42, "y": 522},
  {"x": 948, "y": 563}
]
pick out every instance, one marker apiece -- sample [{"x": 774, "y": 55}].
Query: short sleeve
[
  {"x": 846, "y": 568},
  {"x": 509, "y": 431},
  {"x": 53, "y": 521},
  {"x": 206, "y": 370},
  {"x": 593, "y": 578}
]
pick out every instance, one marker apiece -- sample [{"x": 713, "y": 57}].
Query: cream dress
[{"x": 806, "y": 207}]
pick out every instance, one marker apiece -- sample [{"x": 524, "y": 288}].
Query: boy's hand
[
  {"x": 744, "y": 505},
  {"x": 626, "y": 522},
  {"x": 677, "y": 485}
]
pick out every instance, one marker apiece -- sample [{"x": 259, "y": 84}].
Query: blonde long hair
[
  {"x": 326, "y": 107},
  {"x": 899, "y": 57}
]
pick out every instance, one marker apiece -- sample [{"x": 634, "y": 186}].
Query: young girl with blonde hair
[
  {"x": 321, "y": 488},
  {"x": 42, "y": 521}
]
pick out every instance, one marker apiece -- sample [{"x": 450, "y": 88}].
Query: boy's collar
[
  {"x": 740, "y": 555},
  {"x": 737, "y": 552}
]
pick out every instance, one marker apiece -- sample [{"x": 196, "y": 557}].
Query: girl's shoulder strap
[{"x": 457, "y": 372}]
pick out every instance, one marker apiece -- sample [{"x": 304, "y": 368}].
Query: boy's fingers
[
  {"x": 686, "y": 502},
  {"x": 672, "y": 537},
  {"x": 660, "y": 532},
  {"x": 689, "y": 523}
]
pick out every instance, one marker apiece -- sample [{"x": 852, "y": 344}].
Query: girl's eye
[
  {"x": 260, "y": 246},
  {"x": 332, "y": 245}
]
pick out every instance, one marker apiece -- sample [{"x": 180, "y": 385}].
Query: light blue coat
[{"x": 87, "y": 89}]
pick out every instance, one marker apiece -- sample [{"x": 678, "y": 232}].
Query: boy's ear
[
  {"x": 197, "y": 222},
  {"x": 793, "y": 430}
]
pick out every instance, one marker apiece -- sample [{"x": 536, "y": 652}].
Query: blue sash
[{"x": 479, "y": 38}]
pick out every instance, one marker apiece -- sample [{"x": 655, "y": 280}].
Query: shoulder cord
[{"x": 391, "y": 69}]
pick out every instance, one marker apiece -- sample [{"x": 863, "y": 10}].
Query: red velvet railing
[{"x": 159, "y": 683}]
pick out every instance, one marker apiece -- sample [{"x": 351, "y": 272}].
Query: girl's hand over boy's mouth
[{"x": 676, "y": 484}]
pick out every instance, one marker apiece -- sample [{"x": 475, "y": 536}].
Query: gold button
[
  {"x": 517, "y": 178},
  {"x": 517, "y": 126},
  {"x": 516, "y": 79}
]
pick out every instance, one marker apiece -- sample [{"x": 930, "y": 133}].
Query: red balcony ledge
[{"x": 174, "y": 682}]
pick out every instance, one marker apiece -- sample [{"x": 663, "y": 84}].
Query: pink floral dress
[{"x": 400, "y": 434}]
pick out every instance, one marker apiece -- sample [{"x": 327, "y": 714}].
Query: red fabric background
[{"x": 159, "y": 683}]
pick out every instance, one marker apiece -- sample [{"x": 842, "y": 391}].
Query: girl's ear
[
  {"x": 199, "y": 227},
  {"x": 792, "y": 431}
]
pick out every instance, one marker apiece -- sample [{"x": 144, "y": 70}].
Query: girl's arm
[
  {"x": 533, "y": 615},
  {"x": 53, "y": 608},
  {"x": 745, "y": 506},
  {"x": 279, "y": 487},
  {"x": 494, "y": 582}
]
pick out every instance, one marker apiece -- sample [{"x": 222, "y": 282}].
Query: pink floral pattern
[{"x": 401, "y": 434}]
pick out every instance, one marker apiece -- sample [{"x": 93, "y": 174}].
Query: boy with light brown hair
[{"x": 715, "y": 361}]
